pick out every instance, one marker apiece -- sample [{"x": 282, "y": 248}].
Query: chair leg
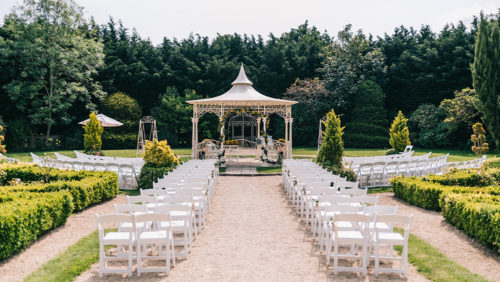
[
  {"x": 101, "y": 260},
  {"x": 335, "y": 259},
  {"x": 130, "y": 248},
  {"x": 377, "y": 262}
]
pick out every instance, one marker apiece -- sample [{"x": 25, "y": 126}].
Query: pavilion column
[
  {"x": 194, "y": 147},
  {"x": 289, "y": 153},
  {"x": 258, "y": 126},
  {"x": 222, "y": 133},
  {"x": 286, "y": 138}
]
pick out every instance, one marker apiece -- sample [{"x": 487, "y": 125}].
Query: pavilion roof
[{"x": 242, "y": 94}]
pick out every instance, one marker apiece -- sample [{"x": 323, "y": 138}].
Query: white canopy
[
  {"x": 104, "y": 120},
  {"x": 242, "y": 94}
]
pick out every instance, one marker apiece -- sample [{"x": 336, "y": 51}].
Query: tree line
[{"x": 55, "y": 67}]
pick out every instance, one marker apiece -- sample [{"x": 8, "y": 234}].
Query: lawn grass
[
  {"x": 434, "y": 265},
  {"x": 269, "y": 169},
  {"x": 74, "y": 261},
  {"x": 379, "y": 190},
  {"x": 299, "y": 152},
  {"x": 185, "y": 154}
]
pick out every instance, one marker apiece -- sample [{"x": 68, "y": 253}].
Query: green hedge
[
  {"x": 25, "y": 216},
  {"x": 118, "y": 140},
  {"x": 86, "y": 187},
  {"x": 473, "y": 209},
  {"x": 427, "y": 194},
  {"x": 151, "y": 173},
  {"x": 44, "y": 201},
  {"x": 478, "y": 215}
]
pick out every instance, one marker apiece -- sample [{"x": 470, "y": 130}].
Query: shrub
[
  {"x": 479, "y": 140},
  {"x": 92, "y": 137},
  {"x": 332, "y": 148},
  {"x": 86, "y": 187},
  {"x": 478, "y": 215},
  {"x": 119, "y": 141},
  {"x": 25, "y": 216},
  {"x": 45, "y": 200},
  {"x": 470, "y": 177},
  {"x": 427, "y": 194},
  {"x": 399, "y": 135},
  {"x": 348, "y": 173},
  {"x": 159, "y": 160},
  {"x": 428, "y": 128},
  {"x": 2, "y": 138}
]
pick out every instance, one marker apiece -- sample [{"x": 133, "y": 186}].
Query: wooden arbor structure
[
  {"x": 243, "y": 97},
  {"x": 141, "y": 136}
]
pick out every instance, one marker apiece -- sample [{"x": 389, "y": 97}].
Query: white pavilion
[{"x": 242, "y": 96}]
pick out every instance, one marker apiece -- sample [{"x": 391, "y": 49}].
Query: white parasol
[{"x": 104, "y": 120}]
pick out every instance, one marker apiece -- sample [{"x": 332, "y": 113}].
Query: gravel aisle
[
  {"x": 251, "y": 235},
  {"x": 53, "y": 243},
  {"x": 432, "y": 227}
]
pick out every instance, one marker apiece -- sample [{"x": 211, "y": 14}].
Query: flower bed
[
  {"x": 44, "y": 200},
  {"x": 462, "y": 197}
]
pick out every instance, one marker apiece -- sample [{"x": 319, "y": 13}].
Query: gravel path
[
  {"x": 252, "y": 235},
  {"x": 55, "y": 242},
  {"x": 432, "y": 227}
]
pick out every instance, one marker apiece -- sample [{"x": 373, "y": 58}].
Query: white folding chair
[
  {"x": 355, "y": 238},
  {"x": 159, "y": 236},
  {"x": 119, "y": 238},
  {"x": 181, "y": 225},
  {"x": 385, "y": 239}
]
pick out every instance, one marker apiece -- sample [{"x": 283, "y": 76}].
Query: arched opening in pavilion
[{"x": 246, "y": 112}]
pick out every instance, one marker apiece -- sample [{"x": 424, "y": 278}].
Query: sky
[{"x": 155, "y": 19}]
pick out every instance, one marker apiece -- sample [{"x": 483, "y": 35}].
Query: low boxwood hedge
[
  {"x": 25, "y": 216},
  {"x": 473, "y": 209},
  {"x": 478, "y": 215},
  {"x": 44, "y": 200}
]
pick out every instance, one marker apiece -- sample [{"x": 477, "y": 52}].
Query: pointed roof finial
[{"x": 242, "y": 78}]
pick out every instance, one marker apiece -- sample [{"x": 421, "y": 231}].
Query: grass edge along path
[
  {"x": 78, "y": 258},
  {"x": 433, "y": 264},
  {"x": 68, "y": 265}
]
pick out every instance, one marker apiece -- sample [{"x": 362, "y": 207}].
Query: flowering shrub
[{"x": 159, "y": 160}]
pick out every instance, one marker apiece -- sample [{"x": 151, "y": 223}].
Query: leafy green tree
[
  {"x": 399, "y": 135},
  {"x": 428, "y": 129},
  {"x": 173, "y": 116},
  {"x": 479, "y": 140},
  {"x": 461, "y": 113},
  {"x": 486, "y": 75},
  {"x": 351, "y": 61},
  {"x": 92, "y": 136},
  {"x": 332, "y": 148},
  {"x": 122, "y": 107},
  {"x": 312, "y": 96},
  {"x": 54, "y": 59},
  {"x": 368, "y": 125}
]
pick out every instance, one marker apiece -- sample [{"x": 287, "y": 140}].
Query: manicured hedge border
[
  {"x": 86, "y": 187},
  {"x": 29, "y": 210},
  {"x": 25, "y": 216},
  {"x": 478, "y": 215},
  {"x": 475, "y": 210}
]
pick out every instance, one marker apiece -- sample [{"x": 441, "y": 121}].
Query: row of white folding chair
[
  {"x": 362, "y": 235},
  {"x": 155, "y": 231},
  {"x": 183, "y": 219},
  {"x": 325, "y": 206}
]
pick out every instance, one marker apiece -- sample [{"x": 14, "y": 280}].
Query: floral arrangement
[{"x": 232, "y": 142}]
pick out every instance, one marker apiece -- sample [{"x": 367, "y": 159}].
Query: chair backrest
[
  {"x": 141, "y": 199},
  {"x": 130, "y": 208},
  {"x": 366, "y": 200},
  {"x": 381, "y": 209},
  {"x": 335, "y": 199},
  {"x": 178, "y": 199},
  {"x": 341, "y": 209},
  {"x": 154, "y": 218},
  {"x": 394, "y": 218},
  {"x": 168, "y": 208},
  {"x": 152, "y": 192},
  {"x": 111, "y": 219}
]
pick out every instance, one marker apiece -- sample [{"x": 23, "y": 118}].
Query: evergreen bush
[
  {"x": 92, "y": 138},
  {"x": 399, "y": 135},
  {"x": 332, "y": 148},
  {"x": 159, "y": 160}
]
